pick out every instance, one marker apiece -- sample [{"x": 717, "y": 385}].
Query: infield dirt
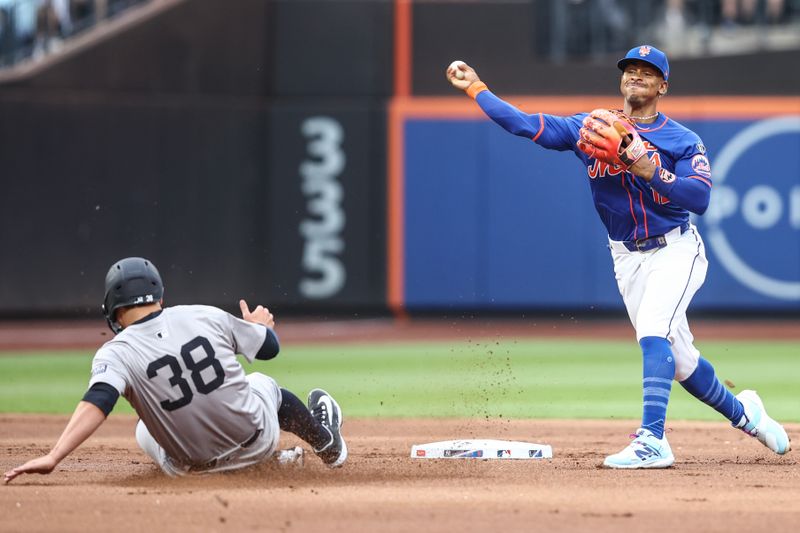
[{"x": 723, "y": 480}]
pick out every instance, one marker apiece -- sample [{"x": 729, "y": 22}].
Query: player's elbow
[
  {"x": 700, "y": 209},
  {"x": 698, "y": 198},
  {"x": 513, "y": 124},
  {"x": 702, "y": 204},
  {"x": 521, "y": 131}
]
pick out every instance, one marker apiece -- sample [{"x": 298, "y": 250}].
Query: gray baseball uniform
[{"x": 178, "y": 369}]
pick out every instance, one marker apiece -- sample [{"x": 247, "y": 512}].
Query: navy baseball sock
[
  {"x": 704, "y": 385},
  {"x": 294, "y": 417},
  {"x": 658, "y": 371}
]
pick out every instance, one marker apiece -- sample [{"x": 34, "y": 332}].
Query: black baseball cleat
[{"x": 327, "y": 412}]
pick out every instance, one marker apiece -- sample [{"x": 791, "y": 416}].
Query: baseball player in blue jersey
[
  {"x": 177, "y": 367},
  {"x": 647, "y": 172}
]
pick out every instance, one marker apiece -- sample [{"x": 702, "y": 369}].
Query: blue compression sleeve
[
  {"x": 507, "y": 116},
  {"x": 683, "y": 191},
  {"x": 658, "y": 371},
  {"x": 704, "y": 385}
]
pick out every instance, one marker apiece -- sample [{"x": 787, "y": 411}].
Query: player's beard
[
  {"x": 636, "y": 101},
  {"x": 638, "y": 96}
]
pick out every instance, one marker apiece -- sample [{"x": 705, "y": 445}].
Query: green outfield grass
[{"x": 504, "y": 378}]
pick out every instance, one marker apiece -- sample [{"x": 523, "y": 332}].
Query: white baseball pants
[{"x": 657, "y": 287}]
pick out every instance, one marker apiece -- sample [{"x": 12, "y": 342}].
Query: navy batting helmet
[{"x": 131, "y": 281}]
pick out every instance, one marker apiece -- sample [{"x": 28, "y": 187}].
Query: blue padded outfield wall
[{"x": 494, "y": 221}]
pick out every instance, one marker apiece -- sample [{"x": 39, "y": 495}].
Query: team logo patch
[
  {"x": 644, "y": 50},
  {"x": 99, "y": 369},
  {"x": 420, "y": 453},
  {"x": 701, "y": 148},
  {"x": 666, "y": 176},
  {"x": 701, "y": 165}
]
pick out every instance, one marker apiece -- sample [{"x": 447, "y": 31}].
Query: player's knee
[
  {"x": 257, "y": 378},
  {"x": 148, "y": 444},
  {"x": 652, "y": 344},
  {"x": 265, "y": 386},
  {"x": 142, "y": 435},
  {"x": 648, "y": 329},
  {"x": 685, "y": 365},
  {"x": 657, "y": 357}
]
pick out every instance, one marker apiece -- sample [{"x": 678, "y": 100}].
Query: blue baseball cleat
[
  {"x": 644, "y": 451},
  {"x": 757, "y": 423}
]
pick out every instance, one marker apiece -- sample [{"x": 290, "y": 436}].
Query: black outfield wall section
[
  {"x": 181, "y": 184},
  {"x": 224, "y": 140}
]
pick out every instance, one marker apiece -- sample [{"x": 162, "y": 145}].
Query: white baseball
[{"x": 458, "y": 73}]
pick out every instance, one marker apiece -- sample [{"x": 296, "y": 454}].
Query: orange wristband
[{"x": 476, "y": 88}]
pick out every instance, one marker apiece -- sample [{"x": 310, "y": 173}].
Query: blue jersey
[{"x": 630, "y": 207}]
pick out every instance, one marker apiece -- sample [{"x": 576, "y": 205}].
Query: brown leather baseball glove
[{"x": 610, "y": 136}]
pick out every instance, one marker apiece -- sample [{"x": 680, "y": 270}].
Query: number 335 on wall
[{"x": 322, "y": 228}]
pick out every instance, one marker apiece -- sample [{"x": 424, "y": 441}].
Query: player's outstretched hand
[
  {"x": 40, "y": 465},
  {"x": 461, "y": 75},
  {"x": 259, "y": 315}
]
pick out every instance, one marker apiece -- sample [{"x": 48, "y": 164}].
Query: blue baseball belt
[{"x": 651, "y": 243}]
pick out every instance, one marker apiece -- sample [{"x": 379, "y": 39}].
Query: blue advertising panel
[
  {"x": 752, "y": 227},
  {"x": 493, "y": 221}
]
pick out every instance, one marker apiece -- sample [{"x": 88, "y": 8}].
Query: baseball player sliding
[
  {"x": 646, "y": 173},
  {"x": 177, "y": 367}
]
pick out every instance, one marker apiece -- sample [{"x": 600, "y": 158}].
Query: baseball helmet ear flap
[{"x": 131, "y": 281}]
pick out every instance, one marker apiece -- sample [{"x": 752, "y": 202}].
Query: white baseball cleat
[
  {"x": 757, "y": 423},
  {"x": 644, "y": 451}
]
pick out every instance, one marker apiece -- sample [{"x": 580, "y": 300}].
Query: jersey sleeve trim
[
  {"x": 541, "y": 128},
  {"x": 704, "y": 180},
  {"x": 476, "y": 88}
]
